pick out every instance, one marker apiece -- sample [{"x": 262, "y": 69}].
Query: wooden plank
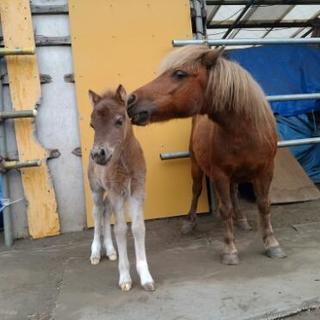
[
  {"x": 290, "y": 182},
  {"x": 25, "y": 92},
  {"x": 131, "y": 56}
]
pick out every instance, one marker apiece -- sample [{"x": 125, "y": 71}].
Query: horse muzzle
[
  {"x": 139, "y": 112},
  {"x": 100, "y": 155}
]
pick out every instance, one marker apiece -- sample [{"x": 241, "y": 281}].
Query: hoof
[
  {"x": 230, "y": 259},
  {"x": 94, "y": 260},
  {"x": 244, "y": 225},
  {"x": 125, "y": 286},
  {"x": 112, "y": 256},
  {"x": 275, "y": 252},
  {"x": 149, "y": 286},
  {"x": 188, "y": 226}
]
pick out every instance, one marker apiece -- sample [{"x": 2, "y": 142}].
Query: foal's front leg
[
  {"x": 107, "y": 236},
  {"x": 120, "y": 230},
  {"x": 138, "y": 230},
  {"x": 98, "y": 207}
]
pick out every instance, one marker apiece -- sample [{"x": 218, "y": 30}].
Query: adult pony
[{"x": 239, "y": 147}]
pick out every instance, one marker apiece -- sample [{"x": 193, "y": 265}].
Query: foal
[{"x": 117, "y": 176}]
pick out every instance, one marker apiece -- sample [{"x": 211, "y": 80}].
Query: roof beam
[{"x": 262, "y": 24}]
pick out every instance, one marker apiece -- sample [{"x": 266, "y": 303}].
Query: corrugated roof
[{"x": 261, "y": 19}]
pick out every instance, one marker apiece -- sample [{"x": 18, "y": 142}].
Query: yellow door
[{"x": 122, "y": 41}]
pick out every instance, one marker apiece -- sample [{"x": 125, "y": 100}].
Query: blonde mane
[{"x": 230, "y": 88}]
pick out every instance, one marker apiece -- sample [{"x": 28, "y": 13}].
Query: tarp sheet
[
  {"x": 284, "y": 69},
  {"x": 289, "y": 70}
]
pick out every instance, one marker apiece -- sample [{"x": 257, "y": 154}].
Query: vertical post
[
  {"x": 201, "y": 33},
  {"x": 200, "y": 28},
  {"x": 7, "y": 223}
]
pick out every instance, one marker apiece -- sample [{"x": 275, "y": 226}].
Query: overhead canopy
[{"x": 228, "y": 19}]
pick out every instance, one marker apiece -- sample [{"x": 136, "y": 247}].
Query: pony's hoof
[
  {"x": 149, "y": 286},
  {"x": 112, "y": 256},
  {"x": 94, "y": 260},
  {"x": 244, "y": 225},
  {"x": 275, "y": 252},
  {"x": 188, "y": 226},
  {"x": 126, "y": 286},
  {"x": 230, "y": 259}
]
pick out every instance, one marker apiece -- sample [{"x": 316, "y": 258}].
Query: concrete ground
[{"x": 53, "y": 279}]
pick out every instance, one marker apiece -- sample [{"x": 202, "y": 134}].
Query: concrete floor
[{"x": 53, "y": 279}]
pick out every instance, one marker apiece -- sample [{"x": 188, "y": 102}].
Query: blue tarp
[
  {"x": 289, "y": 70},
  {"x": 284, "y": 69}
]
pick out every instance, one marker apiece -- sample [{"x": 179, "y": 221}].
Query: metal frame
[
  {"x": 16, "y": 51},
  {"x": 6, "y": 165},
  {"x": 262, "y": 24},
  {"x": 239, "y": 17},
  {"x": 281, "y": 144},
  {"x": 260, "y": 2},
  {"x": 18, "y": 114},
  {"x": 243, "y": 42}
]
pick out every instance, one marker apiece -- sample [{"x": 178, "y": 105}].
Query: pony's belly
[{"x": 216, "y": 154}]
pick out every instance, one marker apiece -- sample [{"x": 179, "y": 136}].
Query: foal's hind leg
[
  {"x": 190, "y": 221},
  {"x": 230, "y": 253},
  {"x": 98, "y": 207},
  {"x": 138, "y": 231},
  {"x": 261, "y": 187},
  {"x": 240, "y": 217},
  {"x": 107, "y": 235}
]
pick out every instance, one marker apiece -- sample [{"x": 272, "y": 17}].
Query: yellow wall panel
[
  {"x": 122, "y": 41},
  {"x": 25, "y": 92}
]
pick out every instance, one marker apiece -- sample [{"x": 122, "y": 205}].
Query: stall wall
[{"x": 118, "y": 41}]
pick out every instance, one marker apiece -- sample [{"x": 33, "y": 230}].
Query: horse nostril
[
  {"x": 132, "y": 99},
  {"x": 102, "y": 153}
]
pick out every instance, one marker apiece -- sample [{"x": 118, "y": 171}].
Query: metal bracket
[
  {"x": 6, "y": 165},
  {"x": 16, "y": 51},
  {"x": 18, "y": 114}
]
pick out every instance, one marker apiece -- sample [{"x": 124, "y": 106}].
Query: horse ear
[
  {"x": 94, "y": 97},
  {"x": 209, "y": 58},
  {"x": 121, "y": 94}
]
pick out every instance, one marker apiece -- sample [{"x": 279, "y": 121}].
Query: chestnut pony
[{"x": 238, "y": 145}]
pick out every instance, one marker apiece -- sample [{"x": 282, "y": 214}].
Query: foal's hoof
[
  {"x": 275, "y": 252},
  {"x": 149, "y": 286},
  {"x": 94, "y": 260},
  {"x": 188, "y": 226},
  {"x": 244, "y": 225},
  {"x": 126, "y": 286},
  {"x": 230, "y": 259},
  {"x": 112, "y": 256}
]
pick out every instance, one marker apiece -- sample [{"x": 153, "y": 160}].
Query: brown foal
[{"x": 117, "y": 176}]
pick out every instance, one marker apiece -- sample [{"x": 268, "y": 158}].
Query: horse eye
[
  {"x": 119, "y": 122},
  {"x": 179, "y": 74}
]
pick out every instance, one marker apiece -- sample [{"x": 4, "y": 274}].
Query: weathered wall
[{"x": 56, "y": 127}]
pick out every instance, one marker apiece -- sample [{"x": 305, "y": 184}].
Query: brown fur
[
  {"x": 125, "y": 174},
  {"x": 240, "y": 142},
  {"x": 117, "y": 173}
]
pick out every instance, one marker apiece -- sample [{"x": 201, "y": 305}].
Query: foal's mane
[{"x": 230, "y": 88}]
